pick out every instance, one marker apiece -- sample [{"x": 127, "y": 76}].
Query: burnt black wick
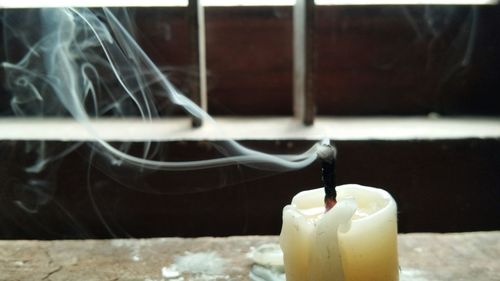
[{"x": 328, "y": 153}]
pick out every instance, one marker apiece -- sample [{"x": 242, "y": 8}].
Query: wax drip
[{"x": 328, "y": 154}]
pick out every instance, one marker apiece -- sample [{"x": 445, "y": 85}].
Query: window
[{"x": 382, "y": 77}]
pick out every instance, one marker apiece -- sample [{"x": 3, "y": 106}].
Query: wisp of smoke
[{"x": 87, "y": 64}]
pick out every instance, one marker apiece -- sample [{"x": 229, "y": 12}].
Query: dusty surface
[{"x": 423, "y": 257}]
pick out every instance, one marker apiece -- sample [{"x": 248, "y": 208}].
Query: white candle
[{"x": 355, "y": 241}]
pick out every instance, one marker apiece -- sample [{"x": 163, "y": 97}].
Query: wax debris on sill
[
  {"x": 199, "y": 266},
  {"x": 410, "y": 274},
  {"x": 268, "y": 263},
  {"x": 267, "y": 255},
  {"x": 170, "y": 272}
]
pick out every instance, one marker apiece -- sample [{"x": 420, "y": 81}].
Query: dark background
[
  {"x": 378, "y": 60},
  {"x": 375, "y": 60},
  {"x": 440, "y": 186},
  {"x": 370, "y": 60}
]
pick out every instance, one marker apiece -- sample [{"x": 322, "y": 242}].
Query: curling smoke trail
[{"x": 76, "y": 57}]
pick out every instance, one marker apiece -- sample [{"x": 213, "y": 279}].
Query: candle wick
[
  {"x": 328, "y": 154},
  {"x": 329, "y": 203}
]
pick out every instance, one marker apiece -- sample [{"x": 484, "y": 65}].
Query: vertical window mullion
[
  {"x": 303, "y": 60},
  {"x": 196, "y": 25}
]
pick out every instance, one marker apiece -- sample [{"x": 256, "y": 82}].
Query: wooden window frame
[{"x": 374, "y": 147}]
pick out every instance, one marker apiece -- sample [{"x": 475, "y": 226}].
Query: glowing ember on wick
[{"x": 328, "y": 154}]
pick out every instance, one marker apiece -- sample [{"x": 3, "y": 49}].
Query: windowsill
[
  {"x": 422, "y": 256},
  {"x": 268, "y": 128}
]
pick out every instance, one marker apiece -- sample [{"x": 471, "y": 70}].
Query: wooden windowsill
[
  {"x": 272, "y": 128},
  {"x": 427, "y": 256}
]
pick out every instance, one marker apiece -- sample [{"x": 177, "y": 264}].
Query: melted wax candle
[{"x": 354, "y": 241}]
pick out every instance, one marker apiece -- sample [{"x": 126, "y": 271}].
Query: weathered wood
[
  {"x": 426, "y": 256},
  {"x": 460, "y": 256}
]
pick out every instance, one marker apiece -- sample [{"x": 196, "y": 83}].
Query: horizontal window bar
[
  {"x": 248, "y": 2},
  {"x": 135, "y": 3},
  {"x": 220, "y": 3},
  {"x": 405, "y": 2},
  {"x": 272, "y": 128}
]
